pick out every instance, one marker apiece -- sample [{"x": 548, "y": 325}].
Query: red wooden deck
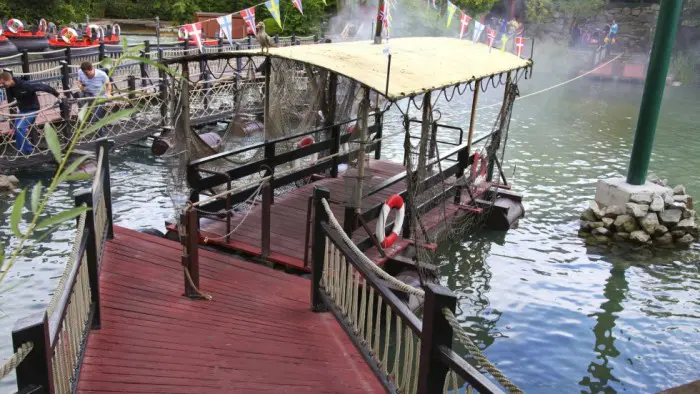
[
  {"x": 289, "y": 218},
  {"x": 257, "y": 335}
]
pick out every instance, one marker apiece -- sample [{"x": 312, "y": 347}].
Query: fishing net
[
  {"x": 232, "y": 92},
  {"x": 476, "y": 189}
]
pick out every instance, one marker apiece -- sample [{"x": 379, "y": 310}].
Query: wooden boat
[{"x": 279, "y": 233}]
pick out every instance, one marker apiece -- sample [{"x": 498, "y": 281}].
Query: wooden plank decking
[
  {"x": 257, "y": 335},
  {"x": 289, "y": 217}
]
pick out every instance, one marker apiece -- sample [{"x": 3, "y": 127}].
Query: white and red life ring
[
  {"x": 43, "y": 26},
  {"x": 116, "y": 30},
  {"x": 15, "y": 25},
  {"x": 479, "y": 174},
  {"x": 306, "y": 141},
  {"x": 69, "y": 35},
  {"x": 392, "y": 202}
]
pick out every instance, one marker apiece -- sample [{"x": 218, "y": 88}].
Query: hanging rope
[{"x": 474, "y": 350}]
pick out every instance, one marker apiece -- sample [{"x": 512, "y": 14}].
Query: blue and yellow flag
[
  {"x": 451, "y": 8},
  {"x": 274, "y": 7}
]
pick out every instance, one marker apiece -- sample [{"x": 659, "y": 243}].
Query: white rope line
[
  {"x": 557, "y": 85},
  {"x": 380, "y": 272},
  {"x": 38, "y": 72},
  {"x": 16, "y": 359}
]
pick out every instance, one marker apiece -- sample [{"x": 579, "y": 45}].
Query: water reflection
[{"x": 600, "y": 370}]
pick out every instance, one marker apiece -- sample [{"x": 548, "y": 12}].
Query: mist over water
[{"x": 553, "y": 314}]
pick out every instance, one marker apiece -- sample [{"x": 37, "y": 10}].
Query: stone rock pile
[
  {"x": 664, "y": 220},
  {"x": 8, "y": 183}
]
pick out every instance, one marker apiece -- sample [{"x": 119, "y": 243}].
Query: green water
[{"x": 554, "y": 315}]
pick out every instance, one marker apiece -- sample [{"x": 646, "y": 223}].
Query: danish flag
[
  {"x": 464, "y": 22},
  {"x": 249, "y": 18},
  {"x": 519, "y": 44},
  {"x": 194, "y": 32}
]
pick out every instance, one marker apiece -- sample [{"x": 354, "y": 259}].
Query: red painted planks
[{"x": 257, "y": 334}]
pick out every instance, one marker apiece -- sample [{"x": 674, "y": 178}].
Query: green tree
[
  {"x": 542, "y": 11},
  {"x": 292, "y": 20}
]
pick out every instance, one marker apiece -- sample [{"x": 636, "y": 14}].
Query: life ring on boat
[
  {"x": 43, "y": 26},
  {"x": 97, "y": 30},
  {"x": 69, "y": 35},
  {"x": 479, "y": 174},
  {"x": 116, "y": 30},
  {"x": 393, "y": 202},
  {"x": 15, "y": 25}
]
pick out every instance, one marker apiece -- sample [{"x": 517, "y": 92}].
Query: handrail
[
  {"x": 59, "y": 333},
  {"x": 344, "y": 284}
]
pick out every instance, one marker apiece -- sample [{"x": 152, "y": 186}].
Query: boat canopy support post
[
  {"x": 665, "y": 37},
  {"x": 472, "y": 118},
  {"x": 266, "y": 106}
]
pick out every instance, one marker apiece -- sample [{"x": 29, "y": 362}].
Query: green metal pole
[{"x": 666, "y": 28}]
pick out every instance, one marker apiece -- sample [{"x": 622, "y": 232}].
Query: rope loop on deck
[
  {"x": 474, "y": 350},
  {"x": 16, "y": 359}
]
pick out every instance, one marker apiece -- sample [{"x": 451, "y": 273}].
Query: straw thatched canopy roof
[{"x": 417, "y": 64}]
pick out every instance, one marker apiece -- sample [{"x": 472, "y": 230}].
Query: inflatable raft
[
  {"x": 35, "y": 40},
  {"x": 90, "y": 37}
]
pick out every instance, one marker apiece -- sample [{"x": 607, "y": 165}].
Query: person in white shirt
[{"x": 94, "y": 83}]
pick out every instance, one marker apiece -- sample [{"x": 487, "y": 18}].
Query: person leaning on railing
[
  {"x": 25, "y": 93},
  {"x": 93, "y": 82}
]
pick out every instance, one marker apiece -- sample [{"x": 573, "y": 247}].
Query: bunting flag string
[
  {"x": 464, "y": 22},
  {"x": 478, "y": 29},
  {"x": 226, "y": 27},
  {"x": 491, "y": 37},
  {"x": 297, "y": 4},
  {"x": 194, "y": 30},
  {"x": 519, "y": 44},
  {"x": 274, "y": 7},
  {"x": 249, "y": 17},
  {"x": 451, "y": 8}
]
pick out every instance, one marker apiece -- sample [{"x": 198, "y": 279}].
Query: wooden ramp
[
  {"x": 288, "y": 223},
  {"x": 257, "y": 335}
]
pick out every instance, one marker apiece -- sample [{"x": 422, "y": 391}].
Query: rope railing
[
  {"x": 16, "y": 359},
  {"x": 474, "y": 350}
]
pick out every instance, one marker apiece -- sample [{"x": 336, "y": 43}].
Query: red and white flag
[
  {"x": 297, "y": 4},
  {"x": 464, "y": 22},
  {"x": 194, "y": 32},
  {"x": 249, "y": 18},
  {"x": 491, "y": 36},
  {"x": 519, "y": 44}
]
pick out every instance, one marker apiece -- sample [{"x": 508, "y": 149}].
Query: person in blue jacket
[{"x": 25, "y": 93}]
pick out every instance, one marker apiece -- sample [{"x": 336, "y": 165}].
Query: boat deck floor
[
  {"x": 288, "y": 223},
  {"x": 257, "y": 334}
]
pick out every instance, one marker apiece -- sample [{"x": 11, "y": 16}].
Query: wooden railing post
[
  {"x": 101, "y": 54},
  {"x": 318, "y": 248},
  {"x": 25, "y": 64},
  {"x": 250, "y": 42},
  {"x": 36, "y": 370},
  {"x": 69, "y": 56},
  {"x": 163, "y": 76},
  {"x": 107, "y": 184},
  {"x": 131, "y": 84},
  {"x": 436, "y": 332},
  {"x": 331, "y": 105},
  {"x": 349, "y": 220},
  {"x": 266, "y": 216},
  {"x": 191, "y": 263},
  {"x": 143, "y": 68},
  {"x": 85, "y": 197}
]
